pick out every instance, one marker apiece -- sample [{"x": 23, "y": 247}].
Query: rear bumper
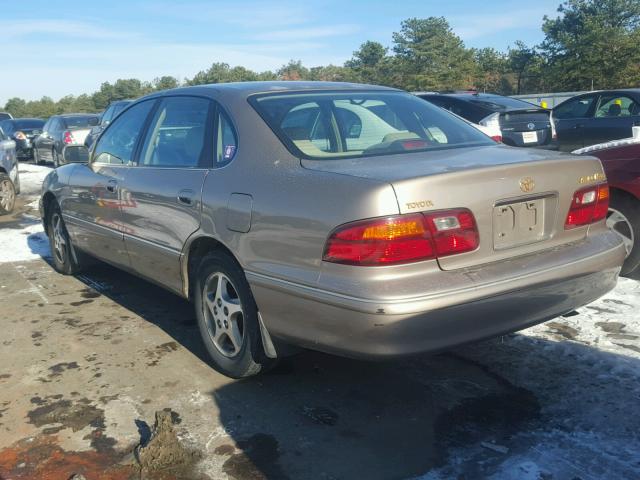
[{"x": 369, "y": 328}]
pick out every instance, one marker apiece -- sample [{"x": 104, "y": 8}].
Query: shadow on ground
[{"x": 324, "y": 417}]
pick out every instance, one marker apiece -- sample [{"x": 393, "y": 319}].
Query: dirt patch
[
  {"x": 89, "y": 293},
  {"x": 66, "y": 414},
  {"x": 59, "y": 368},
  {"x": 611, "y": 327},
  {"x": 563, "y": 330},
  {"x": 154, "y": 355},
  {"x": 80, "y": 302},
  {"x": 164, "y": 452},
  {"x": 40, "y": 457}
]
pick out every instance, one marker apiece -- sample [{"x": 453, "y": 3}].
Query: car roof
[
  {"x": 246, "y": 89},
  {"x": 24, "y": 118},
  {"x": 71, "y": 115}
]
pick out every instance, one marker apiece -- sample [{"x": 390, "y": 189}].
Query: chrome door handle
[
  {"x": 112, "y": 186},
  {"x": 186, "y": 197}
]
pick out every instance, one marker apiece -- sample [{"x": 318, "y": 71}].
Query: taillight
[
  {"x": 403, "y": 238},
  {"x": 588, "y": 205},
  {"x": 19, "y": 136},
  {"x": 497, "y": 138},
  {"x": 68, "y": 138},
  {"x": 453, "y": 231}
]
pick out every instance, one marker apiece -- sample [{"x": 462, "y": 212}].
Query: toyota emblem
[{"x": 531, "y": 126}]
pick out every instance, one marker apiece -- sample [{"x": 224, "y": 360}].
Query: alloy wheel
[
  {"x": 621, "y": 225},
  {"x": 7, "y": 195},
  {"x": 224, "y": 315},
  {"x": 59, "y": 237}
]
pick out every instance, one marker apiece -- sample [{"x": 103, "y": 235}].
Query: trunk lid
[{"x": 519, "y": 197}]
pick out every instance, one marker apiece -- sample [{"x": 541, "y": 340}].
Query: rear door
[
  {"x": 93, "y": 212},
  {"x": 162, "y": 192},
  {"x": 570, "y": 119},
  {"x": 615, "y": 115},
  {"x": 44, "y": 142}
]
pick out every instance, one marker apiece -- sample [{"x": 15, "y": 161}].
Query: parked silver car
[
  {"x": 9, "y": 175},
  {"x": 351, "y": 219}
]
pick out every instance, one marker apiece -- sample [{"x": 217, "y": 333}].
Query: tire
[
  {"x": 66, "y": 259},
  {"x": 624, "y": 219},
  {"x": 228, "y": 318},
  {"x": 7, "y": 194}
]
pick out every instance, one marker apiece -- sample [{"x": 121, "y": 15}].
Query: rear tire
[
  {"x": 624, "y": 219},
  {"x": 7, "y": 194},
  {"x": 66, "y": 259},
  {"x": 227, "y": 316}
]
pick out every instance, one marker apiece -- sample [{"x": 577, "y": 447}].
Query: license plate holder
[{"x": 521, "y": 222}]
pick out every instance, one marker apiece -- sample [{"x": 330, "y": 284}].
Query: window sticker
[{"x": 229, "y": 151}]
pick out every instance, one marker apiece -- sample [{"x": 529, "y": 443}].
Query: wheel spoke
[{"x": 235, "y": 336}]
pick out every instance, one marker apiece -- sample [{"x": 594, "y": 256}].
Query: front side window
[
  {"x": 360, "y": 124},
  {"x": 107, "y": 115},
  {"x": 176, "y": 136},
  {"x": 7, "y": 127},
  {"x": 578, "y": 108},
  {"x": 616, "y": 106},
  {"x": 117, "y": 143}
]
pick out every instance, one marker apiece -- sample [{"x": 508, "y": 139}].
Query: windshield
[
  {"x": 81, "y": 122},
  {"x": 28, "y": 124},
  {"x": 360, "y": 124}
]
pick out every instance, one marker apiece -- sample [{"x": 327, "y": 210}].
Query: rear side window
[
  {"x": 176, "y": 135},
  {"x": 117, "y": 143},
  {"x": 616, "y": 106},
  {"x": 226, "y": 140},
  {"x": 331, "y": 125},
  {"x": 6, "y": 127}
]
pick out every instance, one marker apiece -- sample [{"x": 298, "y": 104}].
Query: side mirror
[{"x": 75, "y": 154}]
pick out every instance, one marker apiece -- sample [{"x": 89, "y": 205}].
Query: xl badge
[{"x": 527, "y": 184}]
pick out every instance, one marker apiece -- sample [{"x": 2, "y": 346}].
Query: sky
[{"x": 60, "y": 48}]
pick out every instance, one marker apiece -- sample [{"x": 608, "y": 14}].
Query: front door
[
  {"x": 93, "y": 210},
  {"x": 166, "y": 187},
  {"x": 570, "y": 120}
]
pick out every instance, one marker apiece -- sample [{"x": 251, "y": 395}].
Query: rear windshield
[
  {"x": 81, "y": 122},
  {"x": 501, "y": 104},
  {"x": 28, "y": 124},
  {"x": 360, "y": 124}
]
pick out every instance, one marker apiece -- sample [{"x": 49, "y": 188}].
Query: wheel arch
[
  {"x": 622, "y": 192},
  {"x": 48, "y": 200},
  {"x": 195, "y": 250}
]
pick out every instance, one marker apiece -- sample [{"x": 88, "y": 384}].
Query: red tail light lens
[
  {"x": 403, "y": 238},
  {"x": 497, "y": 138},
  {"x": 588, "y": 205},
  {"x": 68, "y": 138},
  {"x": 453, "y": 231}
]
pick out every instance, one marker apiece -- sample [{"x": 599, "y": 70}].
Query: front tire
[
  {"x": 624, "y": 219},
  {"x": 65, "y": 259},
  {"x": 7, "y": 194},
  {"x": 228, "y": 318}
]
